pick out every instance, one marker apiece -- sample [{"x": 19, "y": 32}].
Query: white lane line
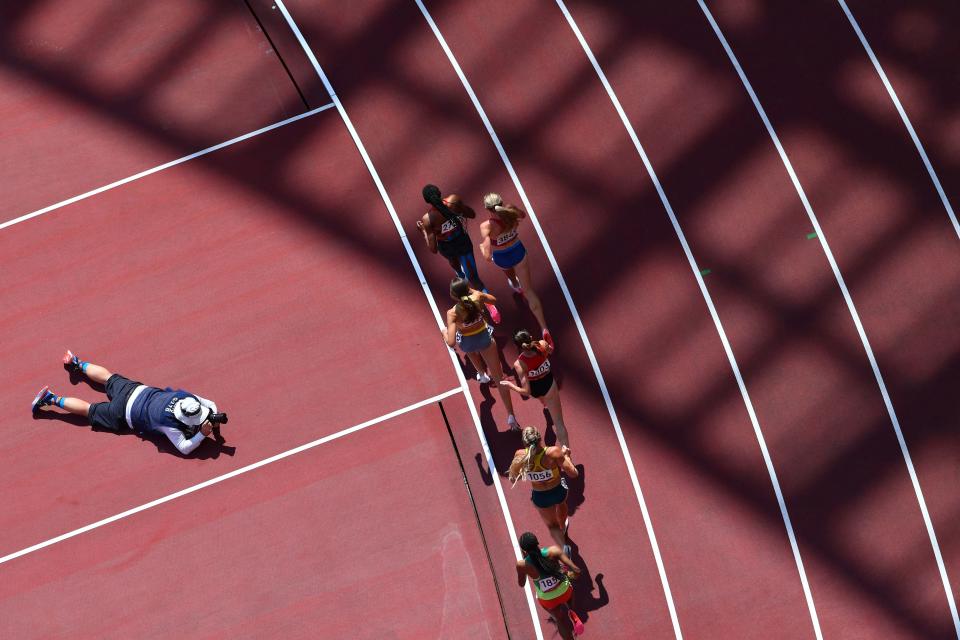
[
  {"x": 853, "y": 313},
  {"x": 573, "y": 311},
  {"x": 903, "y": 116},
  {"x": 426, "y": 291},
  {"x": 172, "y": 163},
  {"x": 713, "y": 314},
  {"x": 227, "y": 476}
]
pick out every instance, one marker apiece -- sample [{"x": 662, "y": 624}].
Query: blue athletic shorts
[
  {"x": 476, "y": 342},
  {"x": 509, "y": 258}
]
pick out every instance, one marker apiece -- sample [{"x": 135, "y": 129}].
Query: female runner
[
  {"x": 542, "y": 466},
  {"x": 444, "y": 229},
  {"x": 467, "y": 328},
  {"x": 500, "y": 243},
  {"x": 554, "y": 591},
  {"x": 536, "y": 378}
]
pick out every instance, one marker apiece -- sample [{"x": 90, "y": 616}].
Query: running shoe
[
  {"x": 577, "y": 622},
  {"x": 512, "y": 421},
  {"x": 494, "y": 313},
  {"x": 71, "y": 362},
  {"x": 483, "y": 378},
  {"x": 43, "y": 398},
  {"x": 516, "y": 287}
]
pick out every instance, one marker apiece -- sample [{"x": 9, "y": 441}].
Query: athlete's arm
[
  {"x": 485, "y": 297},
  {"x": 524, "y": 387},
  {"x": 521, "y": 573},
  {"x": 485, "y": 241},
  {"x": 459, "y": 206},
  {"x": 450, "y": 335},
  {"x": 429, "y": 236},
  {"x": 557, "y": 553},
  {"x": 567, "y": 463},
  {"x": 509, "y": 208},
  {"x": 562, "y": 456}
]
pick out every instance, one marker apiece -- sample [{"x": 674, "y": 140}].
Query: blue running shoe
[{"x": 43, "y": 398}]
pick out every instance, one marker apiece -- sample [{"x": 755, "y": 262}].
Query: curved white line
[
  {"x": 903, "y": 116},
  {"x": 426, "y": 291},
  {"x": 716, "y": 321},
  {"x": 648, "y": 523},
  {"x": 853, "y": 313}
]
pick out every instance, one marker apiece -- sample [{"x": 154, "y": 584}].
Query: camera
[{"x": 217, "y": 419}]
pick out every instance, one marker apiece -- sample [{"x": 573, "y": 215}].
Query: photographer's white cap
[{"x": 189, "y": 411}]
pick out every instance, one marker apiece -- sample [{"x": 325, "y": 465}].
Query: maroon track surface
[{"x": 276, "y": 262}]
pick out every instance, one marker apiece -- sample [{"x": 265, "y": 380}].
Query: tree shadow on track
[{"x": 391, "y": 30}]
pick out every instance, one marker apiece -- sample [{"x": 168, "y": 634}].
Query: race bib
[
  {"x": 539, "y": 476},
  {"x": 548, "y": 583}
]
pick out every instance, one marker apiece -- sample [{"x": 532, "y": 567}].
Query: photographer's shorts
[{"x": 112, "y": 415}]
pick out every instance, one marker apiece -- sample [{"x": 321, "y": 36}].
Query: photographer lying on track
[{"x": 185, "y": 418}]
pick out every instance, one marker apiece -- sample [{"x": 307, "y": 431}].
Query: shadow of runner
[
  {"x": 575, "y": 491},
  {"x": 584, "y": 600},
  {"x": 503, "y": 444}
]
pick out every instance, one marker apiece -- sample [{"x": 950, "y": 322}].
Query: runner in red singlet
[{"x": 536, "y": 378}]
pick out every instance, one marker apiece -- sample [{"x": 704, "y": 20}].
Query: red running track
[
  {"x": 315, "y": 545},
  {"x": 709, "y": 493}
]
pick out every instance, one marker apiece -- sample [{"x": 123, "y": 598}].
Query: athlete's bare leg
[
  {"x": 552, "y": 402},
  {"x": 523, "y": 276},
  {"x": 491, "y": 356}
]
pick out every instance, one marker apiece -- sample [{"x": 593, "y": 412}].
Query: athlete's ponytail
[
  {"x": 545, "y": 566},
  {"x": 525, "y": 341},
  {"x": 494, "y": 202},
  {"x": 432, "y": 195},
  {"x": 466, "y": 307},
  {"x": 531, "y": 441}
]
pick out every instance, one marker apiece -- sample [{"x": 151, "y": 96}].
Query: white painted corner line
[
  {"x": 227, "y": 476},
  {"x": 853, "y": 313},
  {"x": 426, "y": 291},
  {"x": 570, "y": 304},
  {"x": 167, "y": 165},
  {"x": 903, "y": 116},
  {"x": 728, "y": 349}
]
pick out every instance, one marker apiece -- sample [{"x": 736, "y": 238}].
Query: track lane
[
  {"x": 270, "y": 280},
  {"x": 914, "y": 45},
  {"x": 563, "y": 128},
  {"x": 326, "y": 541},
  {"x": 893, "y": 243},
  {"x": 93, "y": 91},
  {"x": 377, "y": 79}
]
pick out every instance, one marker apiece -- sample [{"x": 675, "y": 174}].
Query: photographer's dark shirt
[{"x": 152, "y": 410}]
